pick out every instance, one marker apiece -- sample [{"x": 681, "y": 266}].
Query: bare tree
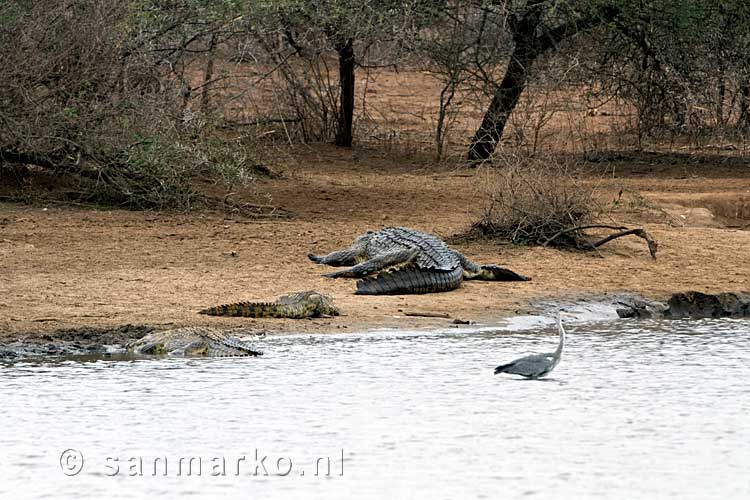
[
  {"x": 537, "y": 27},
  {"x": 313, "y": 31}
]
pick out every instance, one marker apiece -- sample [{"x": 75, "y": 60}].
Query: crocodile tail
[
  {"x": 244, "y": 309},
  {"x": 232, "y": 347},
  {"x": 410, "y": 280}
]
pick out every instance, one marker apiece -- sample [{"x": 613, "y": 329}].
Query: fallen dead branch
[
  {"x": 581, "y": 228},
  {"x": 639, "y": 232},
  {"x": 621, "y": 231},
  {"x": 260, "y": 121},
  {"x": 427, "y": 314},
  {"x": 253, "y": 210}
]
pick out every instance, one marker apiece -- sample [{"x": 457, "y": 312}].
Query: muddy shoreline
[
  {"x": 83, "y": 341},
  {"x": 70, "y": 341}
]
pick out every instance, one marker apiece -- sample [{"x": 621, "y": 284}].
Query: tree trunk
[
  {"x": 208, "y": 74},
  {"x": 744, "y": 119},
  {"x": 528, "y": 45},
  {"x": 503, "y": 102},
  {"x": 527, "y": 49},
  {"x": 446, "y": 96},
  {"x": 346, "y": 82},
  {"x": 721, "y": 98}
]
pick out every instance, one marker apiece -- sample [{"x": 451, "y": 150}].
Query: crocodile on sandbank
[
  {"x": 192, "y": 341},
  {"x": 309, "y": 304},
  {"x": 399, "y": 260}
]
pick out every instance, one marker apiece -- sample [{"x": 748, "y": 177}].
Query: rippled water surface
[{"x": 634, "y": 410}]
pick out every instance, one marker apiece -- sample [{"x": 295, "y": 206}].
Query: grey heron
[{"x": 536, "y": 366}]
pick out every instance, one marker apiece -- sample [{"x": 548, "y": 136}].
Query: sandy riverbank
[{"x": 63, "y": 267}]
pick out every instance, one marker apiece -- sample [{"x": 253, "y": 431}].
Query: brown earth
[{"x": 64, "y": 267}]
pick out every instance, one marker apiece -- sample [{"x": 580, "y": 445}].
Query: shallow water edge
[{"x": 111, "y": 341}]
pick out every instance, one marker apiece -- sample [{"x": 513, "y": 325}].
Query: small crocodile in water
[
  {"x": 310, "y": 304},
  {"x": 192, "y": 341},
  {"x": 398, "y": 260}
]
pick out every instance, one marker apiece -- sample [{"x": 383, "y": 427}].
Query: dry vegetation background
[
  {"x": 294, "y": 126},
  {"x": 129, "y": 103}
]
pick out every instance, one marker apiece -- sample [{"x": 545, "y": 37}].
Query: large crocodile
[
  {"x": 297, "y": 305},
  {"x": 399, "y": 260},
  {"x": 192, "y": 341}
]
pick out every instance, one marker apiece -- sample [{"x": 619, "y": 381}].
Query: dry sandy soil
[{"x": 80, "y": 267}]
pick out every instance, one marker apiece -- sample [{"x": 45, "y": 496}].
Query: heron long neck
[{"x": 560, "y": 346}]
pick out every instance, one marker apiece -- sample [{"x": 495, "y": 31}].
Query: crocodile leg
[
  {"x": 150, "y": 348},
  {"x": 196, "y": 348},
  {"x": 396, "y": 257},
  {"x": 346, "y": 257}
]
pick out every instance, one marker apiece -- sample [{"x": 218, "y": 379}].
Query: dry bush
[
  {"x": 531, "y": 201},
  {"x": 541, "y": 201},
  {"x": 92, "y": 96},
  {"x": 80, "y": 104}
]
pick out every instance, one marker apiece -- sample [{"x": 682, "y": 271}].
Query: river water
[{"x": 634, "y": 410}]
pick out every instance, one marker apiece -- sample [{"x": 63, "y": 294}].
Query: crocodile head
[
  {"x": 325, "y": 304},
  {"x": 498, "y": 273},
  {"x": 149, "y": 348}
]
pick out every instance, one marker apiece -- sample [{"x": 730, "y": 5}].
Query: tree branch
[
  {"x": 641, "y": 233},
  {"x": 581, "y": 228}
]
